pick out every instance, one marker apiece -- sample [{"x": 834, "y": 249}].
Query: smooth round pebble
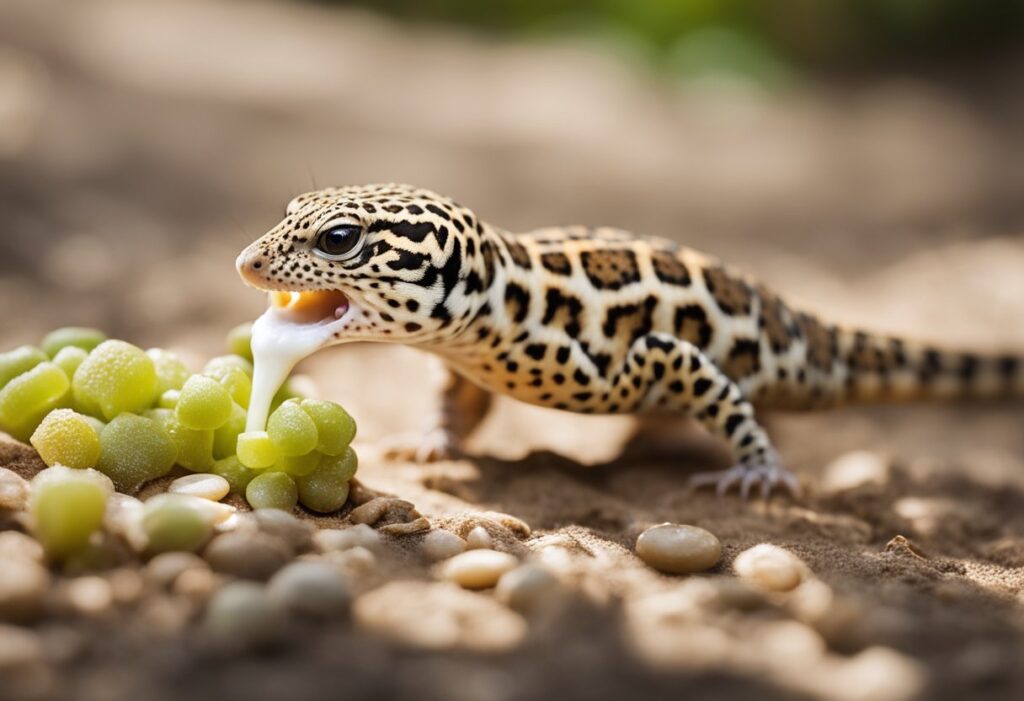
[
  {"x": 478, "y": 539},
  {"x": 440, "y": 544},
  {"x": 18, "y": 546},
  {"x": 13, "y": 490},
  {"x": 288, "y": 527},
  {"x": 527, "y": 588},
  {"x": 203, "y": 484},
  {"x": 167, "y": 567},
  {"x": 357, "y": 536},
  {"x": 19, "y": 648},
  {"x": 123, "y": 518},
  {"x": 89, "y": 596},
  {"x": 243, "y": 614},
  {"x": 23, "y": 587},
  {"x": 678, "y": 549},
  {"x": 314, "y": 589},
  {"x": 478, "y": 569},
  {"x": 770, "y": 567},
  {"x": 247, "y": 555}
]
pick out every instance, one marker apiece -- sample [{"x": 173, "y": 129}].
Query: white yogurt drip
[{"x": 278, "y": 344}]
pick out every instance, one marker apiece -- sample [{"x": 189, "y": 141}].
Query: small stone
[
  {"x": 439, "y": 616},
  {"x": 357, "y": 564},
  {"x": 16, "y": 545},
  {"x": 197, "y": 583},
  {"x": 440, "y": 544},
  {"x": 19, "y": 648},
  {"x": 123, "y": 518},
  {"x": 23, "y": 588},
  {"x": 167, "y": 567},
  {"x": 387, "y": 509},
  {"x": 770, "y": 567},
  {"x": 288, "y": 527},
  {"x": 418, "y": 525},
  {"x": 314, "y": 589},
  {"x": 89, "y": 596},
  {"x": 678, "y": 549},
  {"x": 202, "y": 484},
  {"x": 126, "y": 585},
  {"x": 853, "y": 469},
  {"x": 247, "y": 555},
  {"x": 528, "y": 588},
  {"x": 478, "y": 569},
  {"x": 358, "y": 536},
  {"x": 478, "y": 539},
  {"x": 13, "y": 490},
  {"x": 242, "y": 614}
]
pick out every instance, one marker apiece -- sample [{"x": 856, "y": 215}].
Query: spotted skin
[{"x": 596, "y": 320}]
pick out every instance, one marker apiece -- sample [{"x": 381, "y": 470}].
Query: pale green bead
[
  {"x": 335, "y": 428},
  {"x": 203, "y": 404},
  {"x": 67, "y": 507},
  {"x": 133, "y": 450},
  {"x": 292, "y": 430},
  {"x": 69, "y": 358},
  {"x": 117, "y": 377},
  {"x": 20, "y": 360},
  {"x": 225, "y": 438},
  {"x": 72, "y": 336},
  {"x": 32, "y": 393},
  {"x": 256, "y": 450},
  {"x": 237, "y": 474},
  {"x": 326, "y": 488},
  {"x": 68, "y": 438},
  {"x": 272, "y": 490},
  {"x": 240, "y": 340},
  {"x": 171, "y": 371},
  {"x": 173, "y": 523}
]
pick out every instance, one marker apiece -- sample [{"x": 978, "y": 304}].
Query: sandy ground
[{"x": 143, "y": 144}]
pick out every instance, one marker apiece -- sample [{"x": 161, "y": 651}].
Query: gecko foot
[
  {"x": 434, "y": 446},
  {"x": 766, "y": 476}
]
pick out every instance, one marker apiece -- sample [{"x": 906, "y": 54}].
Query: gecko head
[{"x": 372, "y": 263}]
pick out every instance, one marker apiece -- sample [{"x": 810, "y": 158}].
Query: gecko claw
[{"x": 766, "y": 477}]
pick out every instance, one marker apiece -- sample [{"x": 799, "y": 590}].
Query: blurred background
[
  {"x": 863, "y": 157},
  {"x": 856, "y": 153}
]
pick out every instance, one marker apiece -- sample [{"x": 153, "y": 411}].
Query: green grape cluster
[
  {"x": 303, "y": 457},
  {"x": 87, "y": 402}
]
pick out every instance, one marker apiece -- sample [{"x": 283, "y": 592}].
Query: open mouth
[{"x": 310, "y": 307}]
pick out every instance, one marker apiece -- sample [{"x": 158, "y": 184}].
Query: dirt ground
[{"x": 142, "y": 144}]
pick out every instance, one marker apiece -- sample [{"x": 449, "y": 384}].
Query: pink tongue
[{"x": 340, "y": 311}]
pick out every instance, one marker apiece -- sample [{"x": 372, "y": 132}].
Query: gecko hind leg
[{"x": 673, "y": 373}]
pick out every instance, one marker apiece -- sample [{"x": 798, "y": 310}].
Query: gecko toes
[{"x": 766, "y": 477}]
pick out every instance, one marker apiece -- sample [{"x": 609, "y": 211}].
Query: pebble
[
  {"x": 167, "y": 567},
  {"x": 678, "y": 549},
  {"x": 89, "y": 596},
  {"x": 13, "y": 490},
  {"x": 16, "y": 545},
  {"x": 23, "y": 589},
  {"x": 212, "y": 512},
  {"x": 381, "y": 508},
  {"x": 439, "y": 616},
  {"x": 243, "y": 614},
  {"x": 289, "y": 528},
  {"x": 440, "y": 544},
  {"x": 19, "y": 648},
  {"x": 247, "y": 555},
  {"x": 197, "y": 583},
  {"x": 358, "y": 536},
  {"x": 770, "y": 567},
  {"x": 123, "y": 518},
  {"x": 478, "y": 569},
  {"x": 202, "y": 484},
  {"x": 528, "y": 588},
  {"x": 855, "y": 468},
  {"x": 478, "y": 539},
  {"x": 314, "y": 589}
]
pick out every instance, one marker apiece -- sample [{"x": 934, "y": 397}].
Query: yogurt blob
[{"x": 295, "y": 326}]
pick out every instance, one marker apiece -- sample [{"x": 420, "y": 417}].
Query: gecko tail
[{"x": 879, "y": 369}]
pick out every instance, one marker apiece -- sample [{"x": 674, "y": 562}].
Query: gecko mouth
[{"x": 310, "y": 307}]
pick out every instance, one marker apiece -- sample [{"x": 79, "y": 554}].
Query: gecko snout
[{"x": 250, "y": 265}]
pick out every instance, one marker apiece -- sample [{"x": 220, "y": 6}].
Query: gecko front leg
[
  {"x": 662, "y": 371},
  {"x": 463, "y": 407}
]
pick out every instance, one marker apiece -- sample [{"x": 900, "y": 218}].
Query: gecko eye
[{"x": 338, "y": 241}]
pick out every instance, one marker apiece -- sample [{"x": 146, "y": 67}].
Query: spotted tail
[{"x": 877, "y": 369}]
